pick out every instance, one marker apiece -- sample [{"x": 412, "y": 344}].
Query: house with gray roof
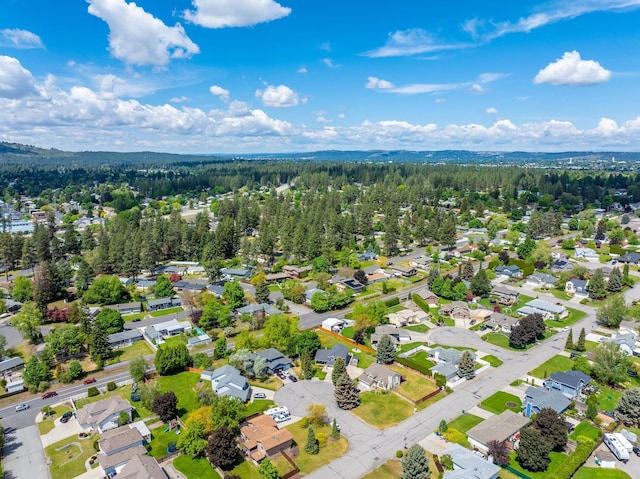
[
  {"x": 8, "y": 365},
  {"x": 127, "y": 308},
  {"x": 625, "y": 338},
  {"x": 378, "y": 376},
  {"x": 541, "y": 280},
  {"x": 545, "y": 308},
  {"x": 124, "y": 338},
  {"x": 274, "y": 360},
  {"x": 536, "y": 399},
  {"x": 560, "y": 265},
  {"x": 569, "y": 383},
  {"x": 502, "y": 322},
  {"x": 633, "y": 258},
  {"x": 448, "y": 370},
  {"x": 228, "y": 381},
  {"x": 397, "y": 335},
  {"x": 329, "y": 356},
  {"x": 254, "y": 309},
  {"x": 103, "y": 415},
  {"x": 587, "y": 254},
  {"x": 503, "y": 428},
  {"x": 142, "y": 467},
  {"x": 162, "y": 303},
  {"x": 511, "y": 271},
  {"x": 577, "y": 287},
  {"x": 505, "y": 295},
  {"x": 467, "y": 465}
]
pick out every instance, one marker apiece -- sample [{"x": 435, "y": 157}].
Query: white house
[
  {"x": 587, "y": 254},
  {"x": 545, "y": 308}
]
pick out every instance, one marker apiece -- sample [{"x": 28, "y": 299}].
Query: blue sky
[{"x": 235, "y": 76}]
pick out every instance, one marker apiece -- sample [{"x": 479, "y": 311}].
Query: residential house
[
  {"x": 420, "y": 262},
  {"x": 329, "y": 356},
  {"x": 142, "y": 467},
  {"x": 587, "y": 254},
  {"x": 633, "y": 258},
  {"x": 479, "y": 315},
  {"x": 536, "y": 399},
  {"x": 541, "y": 280},
  {"x": 448, "y": 370},
  {"x": 577, "y": 287},
  {"x": 333, "y": 324},
  {"x": 428, "y": 297},
  {"x": 502, "y": 322},
  {"x": 199, "y": 340},
  {"x": 145, "y": 284},
  {"x": 274, "y": 360},
  {"x": 406, "y": 316},
  {"x": 228, "y": 381},
  {"x": 376, "y": 277},
  {"x": 237, "y": 273},
  {"x": 458, "y": 311},
  {"x": 545, "y": 308},
  {"x": 297, "y": 271},
  {"x": 9, "y": 365},
  {"x": 257, "y": 309},
  {"x": 447, "y": 359},
  {"x": 511, "y": 271},
  {"x": 308, "y": 294},
  {"x": 504, "y": 428},
  {"x": 378, "y": 376},
  {"x": 468, "y": 465},
  {"x": 405, "y": 271},
  {"x": 118, "y": 447},
  {"x": 368, "y": 256},
  {"x": 355, "y": 286},
  {"x": 277, "y": 277},
  {"x": 561, "y": 265},
  {"x": 506, "y": 296},
  {"x": 15, "y": 385},
  {"x": 172, "y": 327},
  {"x": 261, "y": 438},
  {"x": 125, "y": 281},
  {"x": 193, "y": 285},
  {"x": 142, "y": 428},
  {"x": 625, "y": 338},
  {"x": 124, "y": 338},
  {"x": 569, "y": 383},
  {"x": 103, "y": 415},
  {"x": 162, "y": 303},
  {"x": 398, "y": 335},
  {"x": 128, "y": 308}
]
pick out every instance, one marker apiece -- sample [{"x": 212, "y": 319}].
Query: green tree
[
  {"x": 443, "y": 426},
  {"x": 172, "y": 358},
  {"x": 105, "y": 290},
  {"x": 525, "y": 249},
  {"x": 222, "y": 448},
  {"x": 386, "y": 350},
  {"x": 65, "y": 340},
  {"x": 138, "y": 368},
  {"x": 233, "y": 294},
  {"x": 460, "y": 292},
  {"x": 612, "y": 312},
  {"x": 592, "y": 412},
  {"x": 3, "y": 346},
  {"x": 415, "y": 464},
  {"x": 480, "y": 283},
  {"x": 533, "y": 453},
  {"x": 628, "y": 409},
  {"x": 569, "y": 343},
  {"x": 220, "y": 348},
  {"x": 28, "y": 322},
  {"x": 75, "y": 370},
  {"x": 216, "y": 314},
  {"x": 311, "y": 447},
  {"x": 597, "y": 286},
  {"x": 610, "y": 364},
  {"x": 320, "y": 302},
  {"x": 267, "y": 470},
  {"x": 580, "y": 345},
  {"x": 192, "y": 440},
  {"x": 553, "y": 428},
  {"x": 466, "y": 366},
  {"x": 616, "y": 281},
  {"x": 335, "y": 430},
  {"x": 308, "y": 342},
  {"x": 166, "y": 406},
  {"x": 345, "y": 393},
  {"x": 227, "y": 411},
  {"x": 281, "y": 332},
  {"x": 339, "y": 369},
  {"x": 109, "y": 320},
  {"x": 36, "y": 371},
  {"x": 467, "y": 271},
  {"x": 163, "y": 287},
  {"x": 99, "y": 347},
  {"x": 22, "y": 289}
]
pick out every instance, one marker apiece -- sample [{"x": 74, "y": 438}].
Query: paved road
[{"x": 23, "y": 454}]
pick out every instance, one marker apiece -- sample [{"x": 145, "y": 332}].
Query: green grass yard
[
  {"x": 258, "y": 405},
  {"x": 48, "y": 424},
  {"x": 166, "y": 312},
  {"x": 160, "y": 440},
  {"x": 392, "y": 469},
  {"x": 382, "y": 410},
  {"x": 599, "y": 473},
  {"x": 416, "y": 386},
  {"x": 501, "y": 340},
  {"x": 554, "y": 364},
  {"x": 418, "y": 328},
  {"x": 492, "y": 360},
  {"x": 183, "y": 385},
  {"x": 557, "y": 458},
  {"x": 585, "y": 428},
  {"x": 307, "y": 462},
  {"x": 68, "y": 456},
  {"x": 465, "y": 422},
  {"x": 497, "y": 403},
  {"x": 129, "y": 352},
  {"x": 246, "y": 470},
  {"x": 125, "y": 393},
  {"x": 608, "y": 398},
  {"x": 575, "y": 315},
  {"x": 348, "y": 332},
  {"x": 192, "y": 468}
]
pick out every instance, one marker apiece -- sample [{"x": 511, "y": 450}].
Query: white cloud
[
  {"x": 219, "y": 92},
  {"x": 322, "y": 119},
  {"x": 412, "y": 42},
  {"x": 138, "y": 38},
  {"x": 179, "y": 99},
  {"x": 491, "y": 111},
  {"x": 328, "y": 62},
  {"x": 342, "y": 116},
  {"x": 572, "y": 70},
  {"x": 374, "y": 82},
  {"x": 15, "y": 81},
  {"x": 302, "y": 70},
  {"x": 440, "y": 100},
  {"x": 477, "y": 89},
  {"x": 234, "y": 13},
  {"x": 280, "y": 96},
  {"x": 17, "y": 38}
]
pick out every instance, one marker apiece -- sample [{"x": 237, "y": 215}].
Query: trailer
[
  {"x": 616, "y": 447},
  {"x": 623, "y": 441}
]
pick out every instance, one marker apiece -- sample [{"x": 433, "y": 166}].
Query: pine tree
[
  {"x": 307, "y": 368},
  {"x": 311, "y": 447},
  {"x": 580, "y": 346},
  {"x": 339, "y": 368},
  {"x": 99, "y": 347},
  {"x": 345, "y": 393},
  {"x": 467, "y": 272},
  {"x": 616, "y": 282},
  {"x": 415, "y": 464},
  {"x": 335, "y": 430},
  {"x": 386, "y": 350},
  {"x": 597, "y": 286},
  {"x": 480, "y": 284},
  {"x": 569, "y": 344},
  {"x": 466, "y": 366},
  {"x": 625, "y": 273}
]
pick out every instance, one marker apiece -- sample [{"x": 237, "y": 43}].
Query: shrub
[
  {"x": 321, "y": 437},
  {"x": 201, "y": 361},
  {"x": 570, "y": 465},
  {"x": 96, "y": 446},
  {"x": 421, "y": 303},
  {"x": 408, "y": 362},
  {"x": 392, "y": 302},
  {"x": 65, "y": 377},
  {"x": 111, "y": 386},
  {"x": 399, "y": 454},
  {"x": 304, "y": 422},
  {"x": 453, "y": 435},
  {"x": 43, "y": 386},
  {"x": 92, "y": 391}
]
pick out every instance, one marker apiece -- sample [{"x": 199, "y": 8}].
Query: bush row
[
  {"x": 421, "y": 303},
  {"x": 410, "y": 363},
  {"x": 570, "y": 465},
  {"x": 392, "y": 302}
]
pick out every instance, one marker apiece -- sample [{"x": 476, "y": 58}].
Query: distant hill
[{"x": 27, "y": 155}]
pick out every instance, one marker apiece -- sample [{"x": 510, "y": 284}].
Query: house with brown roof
[
  {"x": 103, "y": 415},
  {"x": 377, "y": 376},
  {"x": 297, "y": 271},
  {"x": 458, "y": 311},
  {"x": 506, "y": 296},
  {"x": 142, "y": 467},
  {"x": 118, "y": 447},
  {"x": 406, "y": 271},
  {"x": 260, "y": 438},
  {"x": 503, "y": 428},
  {"x": 428, "y": 297}
]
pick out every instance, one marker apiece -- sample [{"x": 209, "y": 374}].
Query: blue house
[
  {"x": 509, "y": 271},
  {"x": 536, "y": 399},
  {"x": 274, "y": 360},
  {"x": 569, "y": 383},
  {"x": 368, "y": 256}
]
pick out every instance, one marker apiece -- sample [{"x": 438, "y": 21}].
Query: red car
[
  {"x": 89, "y": 381},
  {"x": 49, "y": 394}
]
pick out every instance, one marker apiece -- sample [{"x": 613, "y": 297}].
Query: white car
[{"x": 22, "y": 407}]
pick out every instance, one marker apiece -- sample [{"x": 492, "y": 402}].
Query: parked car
[
  {"x": 49, "y": 394},
  {"x": 89, "y": 381},
  {"x": 632, "y": 373},
  {"x": 259, "y": 396},
  {"x": 22, "y": 407},
  {"x": 292, "y": 378},
  {"x": 66, "y": 416}
]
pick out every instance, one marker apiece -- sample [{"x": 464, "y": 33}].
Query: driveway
[
  {"x": 23, "y": 454},
  {"x": 61, "y": 431}
]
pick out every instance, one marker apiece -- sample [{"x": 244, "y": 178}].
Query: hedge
[
  {"x": 111, "y": 386},
  {"x": 569, "y": 466},
  {"x": 421, "y": 368},
  {"x": 526, "y": 268},
  {"x": 616, "y": 249},
  {"x": 392, "y": 302},
  {"x": 421, "y": 303},
  {"x": 92, "y": 391},
  {"x": 494, "y": 263}
]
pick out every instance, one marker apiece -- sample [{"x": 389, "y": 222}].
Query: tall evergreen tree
[
  {"x": 339, "y": 368},
  {"x": 569, "y": 344},
  {"x": 386, "y": 350},
  {"x": 99, "y": 347},
  {"x": 467, "y": 272},
  {"x": 345, "y": 393},
  {"x": 415, "y": 464},
  {"x": 466, "y": 366},
  {"x": 616, "y": 281},
  {"x": 480, "y": 284},
  {"x": 597, "y": 286},
  {"x": 580, "y": 345},
  {"x": 311, "y": 447}
]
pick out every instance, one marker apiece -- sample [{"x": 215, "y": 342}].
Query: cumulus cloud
[
  {"x": 412, "y": 42},
  {"x": 573, "y": 70},
  {"x": 234, "y": 13},
  {"x": 302, "y": 70},
  {"x": 15, "y": 80},
  {"x": 17, "y": 38},
  {"x": 280, "y": 96},
  {"x": 219, "y": 92},
  {"x": 374, "y": 82},
  {"x": 328, "y": 62},
  {"x": 179, "y": 99},
  {"x": 491, "y": 111},
  {"x": 138, "y": 38}
]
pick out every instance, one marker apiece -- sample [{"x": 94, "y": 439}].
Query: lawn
[
  {"x": 391, "y": 469},
  {"x": 307, "y": 462},
  {"x": 492, "y": 360},
  {"x": 258, "y": 405},
  {"x": 134, "y": 316},
  {"x": 557, "y": 458},
  {"x": 418, "y": 328},
  {"x": 608, "y": 398},
  {"x": 246, "y": 470},
  {"x": 195, "y": 468},
  {"x": 382, "y": 410},
  {"x": 553, "y": 365},
  {"x": 272, "y": 383},
  {"x": 416, "y": 386},
  {"x": 599, "y": 473},
  {"x": 130, "y": 352},
  {"x": 465, "y": 422},
  {"x": 183, "y": 385},
  {"x": 409, "y": 346},
  {"x": 68, "y": 457},
  {"x": 48, "y": 424},
  {"x": 501, "y": 340},
  {"x": 160, "y": 440},
  {"x": 422, "y": 358},
  {"x": 166, "y": 312},
  {"x": 497, "y": 403},
  {"x": 575, "y": 315},
  {"x": 348, "y": 332},
  {"x": 585, "y": 428}
]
